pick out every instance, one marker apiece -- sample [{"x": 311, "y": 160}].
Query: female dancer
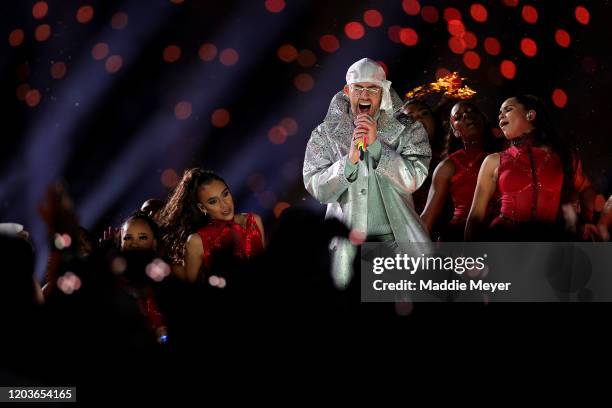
[
  {"x": 533, "y": 176},
  {"x": 457, "y": 174},
  {"x": 200, "y": 223}
]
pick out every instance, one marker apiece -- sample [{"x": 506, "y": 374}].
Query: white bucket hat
[{"x": 368, "y": 70}]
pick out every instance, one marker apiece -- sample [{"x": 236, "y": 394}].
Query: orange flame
[{"x": 450, "y": 85}]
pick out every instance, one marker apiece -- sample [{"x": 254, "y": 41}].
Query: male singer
[{"x": 364, "y": 164}]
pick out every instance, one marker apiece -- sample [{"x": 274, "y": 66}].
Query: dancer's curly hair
[{"x": 181, "y": 217}]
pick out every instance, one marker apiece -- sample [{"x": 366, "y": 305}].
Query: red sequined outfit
[
  {"x": 147, "y": 304},
  {"x": 218, "y": 235},
  {"x": 463, "y": 183},
  {"x": 529, "y": 181}
]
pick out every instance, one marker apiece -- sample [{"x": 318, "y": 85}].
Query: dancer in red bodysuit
[
  {"x": 533, "y": 177},
  {"x": 457, "y": 174},
  {"x": 200, "y": 225}
]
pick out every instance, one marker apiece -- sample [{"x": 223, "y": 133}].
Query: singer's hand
[{"x": 364, "y": 124}]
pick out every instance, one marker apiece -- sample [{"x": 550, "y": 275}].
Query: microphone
[{"x": 362, "y": 147}]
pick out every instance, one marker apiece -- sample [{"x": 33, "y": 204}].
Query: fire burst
[{"x": 451, "y": 85}]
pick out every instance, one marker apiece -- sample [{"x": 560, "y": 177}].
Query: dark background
[{"x": 115, "y": 139}]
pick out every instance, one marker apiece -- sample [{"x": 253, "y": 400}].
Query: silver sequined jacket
[{"x": 402, "y": 168}]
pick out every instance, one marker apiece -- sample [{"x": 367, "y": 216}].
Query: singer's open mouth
[{"x": 364, "y": 107}]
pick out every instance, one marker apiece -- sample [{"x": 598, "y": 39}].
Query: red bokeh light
[
  {"x": 42, "y": 32},
  {"x": 511, "y": 3},
  {"x": 354, "y": 30},
  {"x": 409, "y": 37},
  {"x": 207, "y": 52},
  {"x": 113, "y": 64},
  {"x": 451, "y": 13},
  {"x": 456, "y": 28},
  {"x": 384, "y": 67},
  {"x": 182, "y": 110},
  {"x": 411, "y": 7},
  {"x": 559, "y": 98},
  {"x": 562, "y": 38},
  {"x": 492, "y": 46},
  {"x": 280, "y": 207},
  {"x": 478, "y": 12},
  {"x": 290, "y": 126},
  {"x": 84, "y": 14},
  {"x": 275, "y": 6},
  {"x": 287, "y": 53},
  {"x": 329, "y": 43},
  {"x": 277, "y": 135},
  {"x": 220, "y": 118},
  {"x": 119, "y": 20},
  {"x": 99, "y": 51},
  {"x": 22, "y": 91},
  {"x": 582, "y": 15},
  {"x": 456, "y": 45},
  {"x": 172, "y": 53},
  {"x": 529, "y": 47},
  {"x": 40, "y": 9},
  {"x": 16, "y": 37},
  {"x": 306, "y": 58},
  {"x": 508, "y": 69},
  {"x": 430, "y": 14},
  {"x": 471, "y": 60},
  {"x": 530, "y": 14},
  {"x": 32, "y": 98},
  {"x": 394, "y": 33},
  {"x": 373, "y": 18},
  {"x": 169, "y": 178},
  {"x": 303, "y": 82},
  {"x": 58, "y": 70},
  {"x": 471, "y": 41},
  {"x": 229, "y": 56}
]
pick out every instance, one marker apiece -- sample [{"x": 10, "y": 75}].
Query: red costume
[
  {"x": 218, "y": 235},
  {"x": 529, "y": 181},
  {"x": 463, "y": 182}
]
